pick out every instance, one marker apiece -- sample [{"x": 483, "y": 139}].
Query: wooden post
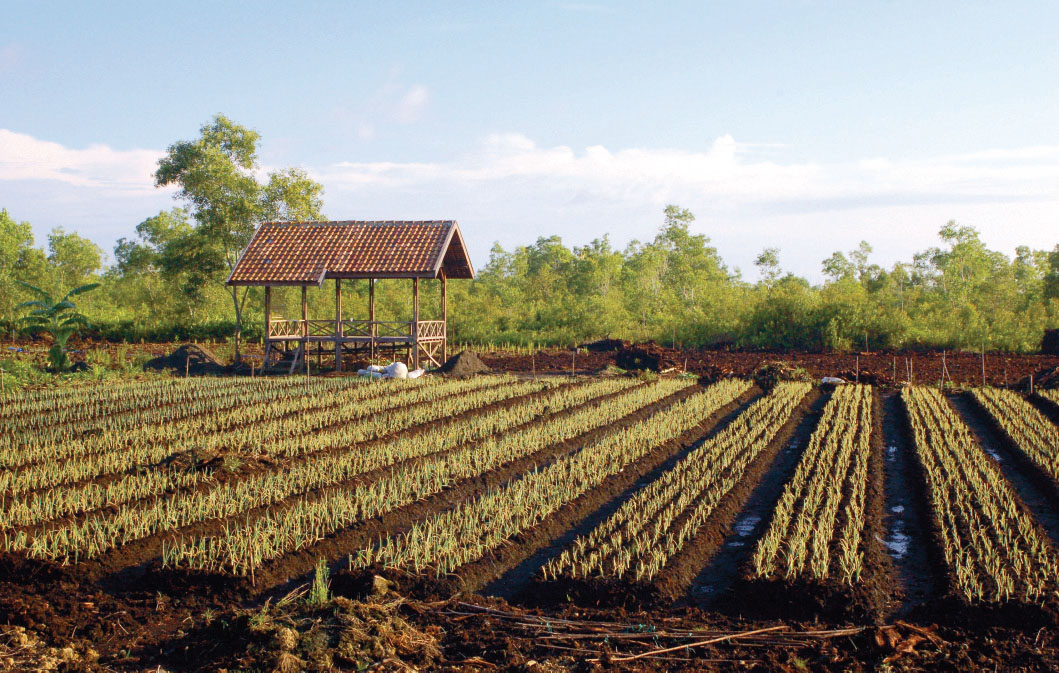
[
  {"x": 371, "y": 316},
  {"x": 983, "y": 364},
  {"x": 444, "y": 318},
  {"x": 305, "y": 330},
  {"x": 268, "y": 324},
  {"x": 305, "y": 312},
  {"x": 415, "y": 323},
  {"x": 338, "y": 324}
]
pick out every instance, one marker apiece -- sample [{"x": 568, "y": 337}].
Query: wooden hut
[{"x": 308, "y": 253}]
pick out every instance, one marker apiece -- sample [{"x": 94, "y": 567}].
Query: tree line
[{"x": 167, "y": 280}]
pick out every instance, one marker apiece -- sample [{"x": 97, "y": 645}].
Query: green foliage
[
  {"x": 319, "y": 592},
  {"x": 168, "y": 280},
  {"x": 59, "y": 318},
  {"x": 215, "y": 178}
]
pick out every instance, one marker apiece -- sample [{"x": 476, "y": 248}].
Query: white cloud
[
  {"x": 508, "y": 188},
  {"x": 412, "y": 104},
  {"x": 512, "y": 190},
  {"x": 24, "y": 157}
]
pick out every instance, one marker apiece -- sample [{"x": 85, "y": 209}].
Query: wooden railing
[
  {"x": 428, "y": 330},
  {"x": 431, "y": 330}
]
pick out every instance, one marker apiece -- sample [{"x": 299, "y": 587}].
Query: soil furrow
[
  {"x": 131, "y": 559},
  {"x": 338, "y": 546},
  {"x": 1033, "y": 487},
  {"x": 708, "y": 567},
  {"x": 516, "y": 583},
  {"x": 908, "y": 519}
]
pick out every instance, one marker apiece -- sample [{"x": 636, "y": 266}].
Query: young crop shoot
[
  {"x": 465, "y": 534},
  {"x": 100, "y": 532},
  {"x": 243, "y": 548},
  {"x": 805, "y": 537},
  {"x": 638, "y": 540},
  {"x": 994, "y": 550},
  {"x": 1027, "y": 428}
]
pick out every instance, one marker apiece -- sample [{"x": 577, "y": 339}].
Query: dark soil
[
  {"x": 190, "y": 359},
  {"x": 1034, "y": 487},
  {"x": 518, "y": 585},
  {"x": 883, "y": 369},
  {"x": 741, "y": 519},
  {"x": 155, "y": 619},
  {"x": 908, "y": 519},
  {"x": 464, "y": 363}
]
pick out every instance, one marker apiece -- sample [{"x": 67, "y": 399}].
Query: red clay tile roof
[{"x": 305, "y": 253}]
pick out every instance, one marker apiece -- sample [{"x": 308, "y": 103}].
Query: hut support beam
[
  {"x": 338, "y": 324},
  {"x": 415, "y": 323},
  {"x": 445, "y": 317},
  {"x": 371, "y": 315}
]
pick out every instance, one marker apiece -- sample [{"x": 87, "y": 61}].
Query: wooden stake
[
  {"x": 858, "y": 369},
  {"x": 187, "y": 365},
  {"x": 573, "y": 363},
  {"x": 983, "y": 364},
  {"x": 533, "y": 361}
]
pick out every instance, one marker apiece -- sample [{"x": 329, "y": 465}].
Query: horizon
[{"x": 807, "y": 126}]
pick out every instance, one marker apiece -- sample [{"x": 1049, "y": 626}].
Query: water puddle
[
  {"x": 992, "y": 452},
  {"x": 891, "y": 453},
  {"x": 897, "y": 509},
  {"x": 745, "y": 526},
  {"x": 898, "y": 541}
]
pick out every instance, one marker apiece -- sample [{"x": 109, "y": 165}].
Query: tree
[
  {"x": 215, "y": 176},
  {"x": 16, "y": 242},
  {"x": 769, "y": 263},
  {"x": 58, "y": 318},
  {"x": 72, "y": 258}
]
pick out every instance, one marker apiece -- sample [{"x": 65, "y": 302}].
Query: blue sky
[{"x": 804, "y": 125}]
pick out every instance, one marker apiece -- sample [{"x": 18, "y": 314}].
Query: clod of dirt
[
  {"x": 768, "y": 374},
  {"x": 648, "y": 355},
  {"x": 605, "y": 345},
  {"x": 190, "y": 358},
  {"x": 1050, "y": 342},
  {"x": 464, "y": 363}
]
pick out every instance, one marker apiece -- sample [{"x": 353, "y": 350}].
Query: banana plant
[{"x": 59, "y": 318}]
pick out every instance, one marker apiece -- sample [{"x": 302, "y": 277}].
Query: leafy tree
[
  {"x": 72, "y": 258},
  {"x": 59, "y": 318},
  {"x": 215, "y": 177},
  {"x": 769, "y": 263}
]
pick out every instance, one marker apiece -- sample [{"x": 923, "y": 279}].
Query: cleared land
[{"x": 842, "y": 521}]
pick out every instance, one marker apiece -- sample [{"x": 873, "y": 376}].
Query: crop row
[
  {"x": 1035, "y": 435},
  {"x": 360, "y": 402},
  {"x": 242, "y": 548},
  {"x": 69, "y": 408},
  {"x": 197, "y": 417},
  {"x": 994, "y": 550},
  {"x": 98, "y": 533},
  {"x": 827, "y": 491},
  {"x": 640, "y": 538},
  {"x": 467, "y": 533}
]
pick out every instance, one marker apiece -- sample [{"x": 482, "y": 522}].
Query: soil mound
[
  {"x": 1050, "y": 342},
  {"x": 605, "y": 345},
  {"x": 464, "y": 363},
  {"x": 648, "y": 355},
  {"x": 192, "y": 358}
]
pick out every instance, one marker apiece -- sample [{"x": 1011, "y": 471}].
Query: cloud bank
[{"x": 509, "y": 189}]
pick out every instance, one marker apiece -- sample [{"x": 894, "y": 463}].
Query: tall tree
[{"x": 215, "y": 174}]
